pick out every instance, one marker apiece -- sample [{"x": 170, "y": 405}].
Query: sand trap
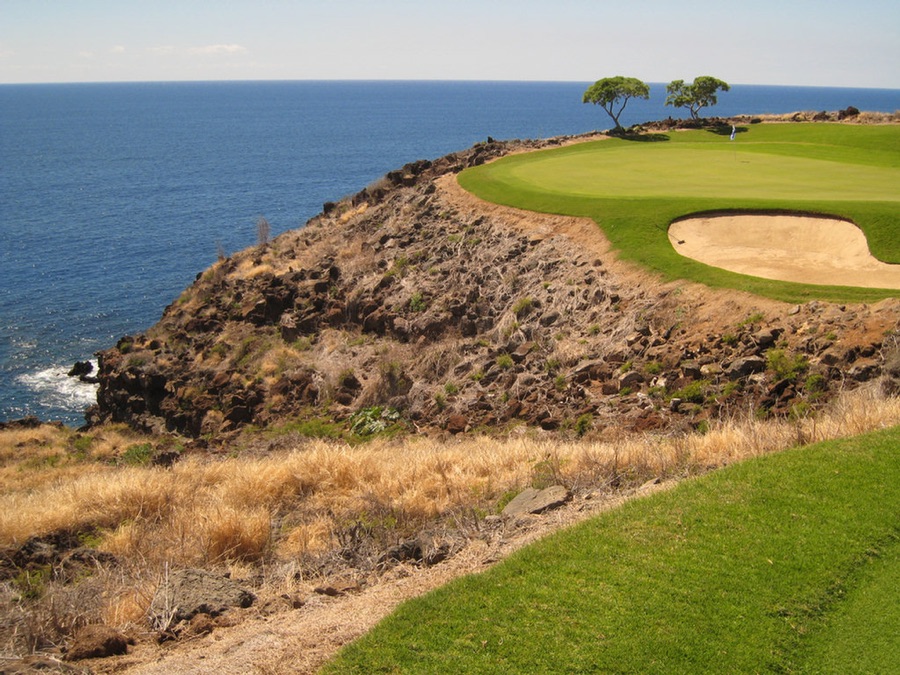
[{"x": 805, "y": 249}]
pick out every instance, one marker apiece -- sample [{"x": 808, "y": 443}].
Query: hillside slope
[{"x": 415, "y": 301}]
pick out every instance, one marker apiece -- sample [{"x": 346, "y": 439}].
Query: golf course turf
[
  {"x": 634, "y": 188},
  {"x": 760, "y": 567}
]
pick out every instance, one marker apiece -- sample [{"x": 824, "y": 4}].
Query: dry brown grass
[
  {"x": 291, "y": 509},
  {"x": 207, "y": 510}
]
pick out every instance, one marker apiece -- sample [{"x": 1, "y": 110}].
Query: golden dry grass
[{"x": 297, "y": 502}]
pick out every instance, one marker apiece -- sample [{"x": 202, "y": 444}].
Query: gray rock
[
  {"x": 744, "y": 366},
  {"x": 535, "y": 501},
  {"x": 186, "y": 593}
]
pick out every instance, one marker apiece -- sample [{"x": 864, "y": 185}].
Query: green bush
[
  {"x": 786, "y": 367},
  {"x": 695, "y": 392},
  {"x": 137, "y": 454},
  {"x": 373, "y": 420}
]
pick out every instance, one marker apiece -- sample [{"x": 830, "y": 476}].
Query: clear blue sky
[{"x": 795, "y": 42}]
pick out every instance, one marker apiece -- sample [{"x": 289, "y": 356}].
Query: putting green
[
  {"x": 635, "y": 188},
  {"x": 664, "y": 170}
]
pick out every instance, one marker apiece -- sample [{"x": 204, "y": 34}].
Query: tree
[
  {"x": 610, "y": 91},
  {"x": 700, "y": 94},
  {"x": 263, "y": 230}
]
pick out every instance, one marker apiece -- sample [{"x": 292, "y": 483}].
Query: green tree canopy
[
  {"x": 700, "y": 94},
  {"x": 611, "y": 91}
]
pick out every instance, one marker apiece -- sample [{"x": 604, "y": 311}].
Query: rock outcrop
[{"x": 414, "y": 297}]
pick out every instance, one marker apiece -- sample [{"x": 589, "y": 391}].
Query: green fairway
[
  {"x": 786, "y": 563},
  {"x": 635, "y": 188}
]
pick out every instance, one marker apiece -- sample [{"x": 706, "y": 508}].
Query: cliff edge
[{"x": 414, "y": 304}]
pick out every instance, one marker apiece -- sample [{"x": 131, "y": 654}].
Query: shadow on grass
[
  {"x": 725, "y": 130},
  {"x": 645, "y": 138}
]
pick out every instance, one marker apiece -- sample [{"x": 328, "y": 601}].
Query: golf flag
[{"x": 733, "y": 131}]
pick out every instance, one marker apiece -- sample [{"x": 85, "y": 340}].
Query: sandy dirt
[{"x": 808, "y": 250}]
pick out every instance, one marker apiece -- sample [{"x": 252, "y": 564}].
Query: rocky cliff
[{"x": 419, "y": 305}]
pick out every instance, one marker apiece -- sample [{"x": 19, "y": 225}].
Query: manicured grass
[
  {"x": 753, "y": 568},
  {"x": 635, "y": 188},
  {"x": 863, "y": 635}
]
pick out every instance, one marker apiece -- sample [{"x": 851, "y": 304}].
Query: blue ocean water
[{"x": 114, "y": 196}]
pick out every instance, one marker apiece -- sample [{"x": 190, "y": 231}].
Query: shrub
[
  {"x": 695, "y": 392},
  {"x": 417, "y": 302},
  {"x": 373, "y": 420},
  {"x": 522, "y": 306},
  {"x": 583, "y": 424},
  {"x": 786, "y": 367},
  {"x": 137, "y": 454},
  {"x": 505, "y": 361}
]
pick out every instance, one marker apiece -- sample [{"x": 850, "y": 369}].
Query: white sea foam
[{"x": 54, "y": 388}]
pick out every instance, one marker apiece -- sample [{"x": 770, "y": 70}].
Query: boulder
[
  {"x": 97, "y": 641},
  {"x": 189, "y": 592},
  {"x": 457, "y": 424},
  {"x": 81, "y": 368},
  {"x": 745, "y": 366},
  {"x": 535, "y": 501}
]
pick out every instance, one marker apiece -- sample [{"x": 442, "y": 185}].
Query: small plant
[
  {"x": 695, "y": 392},
  {"x": 440, "y": 401},
  {"x": 477, "y": 376},
  {"x": 786, "y": 367},
  {"x": 451, "y": 389},
  {"x": 302, "y": 344},
  {"x": 729, "y": 339},
  {"x": 504, "y": 361},
  {"x": 138, "y": 454},
  {"x": 546, "y": 473},
  {"x": 653, "y": 368},
  {"x": 522, "y": 306},
  {"x": 373, "y": 420},
  {"x": 31, "y": 584},
  {"x": 135, "y": 361},
  {"x": 81, "y": 444},
  {"x": 756, "y": 317},
  {"x": 583, "y": 424},
  {"x": 815, "y": 384},
  {"x": 731, "y": 387},
  {"x": 560, "y": 383},
  {"x": 417, "y": 302},
  {"x": 594, "y": 329}
]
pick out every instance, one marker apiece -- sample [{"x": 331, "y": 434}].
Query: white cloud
[
  {"x": 118, "y": 49},
  {"x": 213, "y": 50},
  {"x": 163, "y": 50},
  {"x": 86, "y": 55}
]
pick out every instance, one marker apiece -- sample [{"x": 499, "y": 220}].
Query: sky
[{"x": 784, "y": 42}]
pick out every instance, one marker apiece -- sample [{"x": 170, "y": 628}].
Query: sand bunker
[{"x": 805, "y": 249}]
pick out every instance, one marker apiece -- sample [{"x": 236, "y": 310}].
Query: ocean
[{"x": 114, "y": 196}]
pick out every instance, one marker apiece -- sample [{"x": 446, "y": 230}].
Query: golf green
[
  {"x": 683, "y": 169},
  {"x": 635, "y": 188}
]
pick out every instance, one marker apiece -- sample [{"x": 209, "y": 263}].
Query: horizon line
[{"x": 407, "y": 80}]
